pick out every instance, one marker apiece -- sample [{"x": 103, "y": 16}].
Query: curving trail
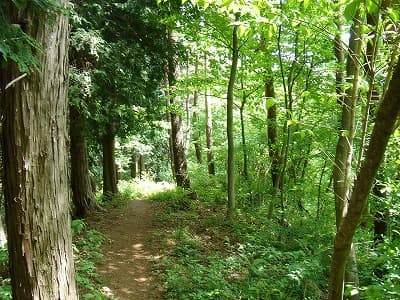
[{"x": 129, "y": 257}]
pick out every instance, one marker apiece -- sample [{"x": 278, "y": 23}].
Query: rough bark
[
  {"x": 209, "y": 129},
  {"x": 385, "y": 120},
  {"x": 229, "y": 121},
  {"x": 178, "y": 147},
  {"x": 109, "y": 169},
  {"x": 35, "y": 161},
  {"x": 82, "y": 194}
]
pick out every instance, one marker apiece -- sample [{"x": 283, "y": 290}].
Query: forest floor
[{"x": 131, "y": 252}]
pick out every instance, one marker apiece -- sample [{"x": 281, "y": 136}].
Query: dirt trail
[{"x": 128, "y": 259}]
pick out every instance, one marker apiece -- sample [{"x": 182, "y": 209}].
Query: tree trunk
[
  {"x": 344, "y": 148},
  {"x": 82, "y": 194},
  {"x": 168, "y": 117},
  {"x": 373, "y": 93},
  {"x": 385, "y": 120},
  {"x": 142, "y": 166},
  {"x": 178, "y": 147},
  {"x": 35, "y": 158},
  {"x": 243, "y": 135},
  {"x": 197, "y": 141},
  {"x": 209, "y": 128},
  {"x": 133, "y": 165},
  {"x": 229, "y": 122},
  {"x": 272, "y": 144},
  {"x": 109, "y": 169},
  {"x": 196, "y": 133}
]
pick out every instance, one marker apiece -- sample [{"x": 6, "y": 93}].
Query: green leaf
[
  {"x": 306, "y": 3},
  {"x": 243, "y": 30},
  {"x": 372, "y": 5},
  {"x": 20, "y": 4},
  {"x": 345, "y": 133},
  {"x": 226, "y": 3},
  {"x": 269, "y": 103},
  {"x": 351, "y": 9}
]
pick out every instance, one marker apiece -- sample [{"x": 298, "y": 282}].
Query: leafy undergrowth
[
  {"x": 87, "y": 254},
  {"x": 5, "y": 286},
  {"x": 210, "y": 258}
]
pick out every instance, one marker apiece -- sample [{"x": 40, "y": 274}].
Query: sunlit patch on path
[{"x": 128, "y": 259}]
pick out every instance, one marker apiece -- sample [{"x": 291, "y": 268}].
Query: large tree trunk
[
  {"x": 82, "y": 194},
  {"x": 229, "y": 121},
  {"x": 109, "y": 167},
  {"x": 178, "y": 147},
  {"x": 385, "y": 120},
  {"x": 209, "y": 128},
  {"x": 35, "y": 160}
]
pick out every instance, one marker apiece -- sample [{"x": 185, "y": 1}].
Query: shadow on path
[{"x": 128, "y": 258}]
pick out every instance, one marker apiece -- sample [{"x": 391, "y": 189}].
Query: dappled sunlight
[
  {"x": 138, "y": 246},
  {"x": 143, "y": 188},
  {"x": 130, "y": 254}
]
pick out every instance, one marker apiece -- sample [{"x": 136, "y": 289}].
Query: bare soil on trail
[{"x": 129, "y": 256}]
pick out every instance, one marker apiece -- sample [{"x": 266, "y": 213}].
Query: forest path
[{"x": 128, "y": 258}]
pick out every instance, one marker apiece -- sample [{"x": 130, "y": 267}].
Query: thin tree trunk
[
  {"x": 209, "y": 128},
  {"x": 344, "y": 147},
  {"x": 372, "y": 94},
  {"x": 320, "y": 188},
  {"x": 385, "y": 120},
  {"x": 243, "y": 134},
  {"x": 82, "y": 194},
  {"x": 196, "y": 133},
  {"x": 134, "y": 164},
  {"x": 229, "y": 122},
  {"x": 188, "y": 127},
  {"x": 109, "y": 169},
  {"x": 273, "y": 150},
  {"x": 168, "y": 117},
  {"x": 142, "y": 166},
  {"x": 35, "y": 158}
]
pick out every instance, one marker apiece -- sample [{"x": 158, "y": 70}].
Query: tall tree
[
  {"x": 229, "y": 119},
  {"x": 109, "y": 166},
  {"x": 196, "y": 133},
  {"x": 82, "y": 193},
  {"x": 388, "y": 112},
  {"x": 35, "y": 160},
  {"x": 177, "y": 143},
  {"x": 342, "y": 169},
  {"x": 209, "y": 127}
]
